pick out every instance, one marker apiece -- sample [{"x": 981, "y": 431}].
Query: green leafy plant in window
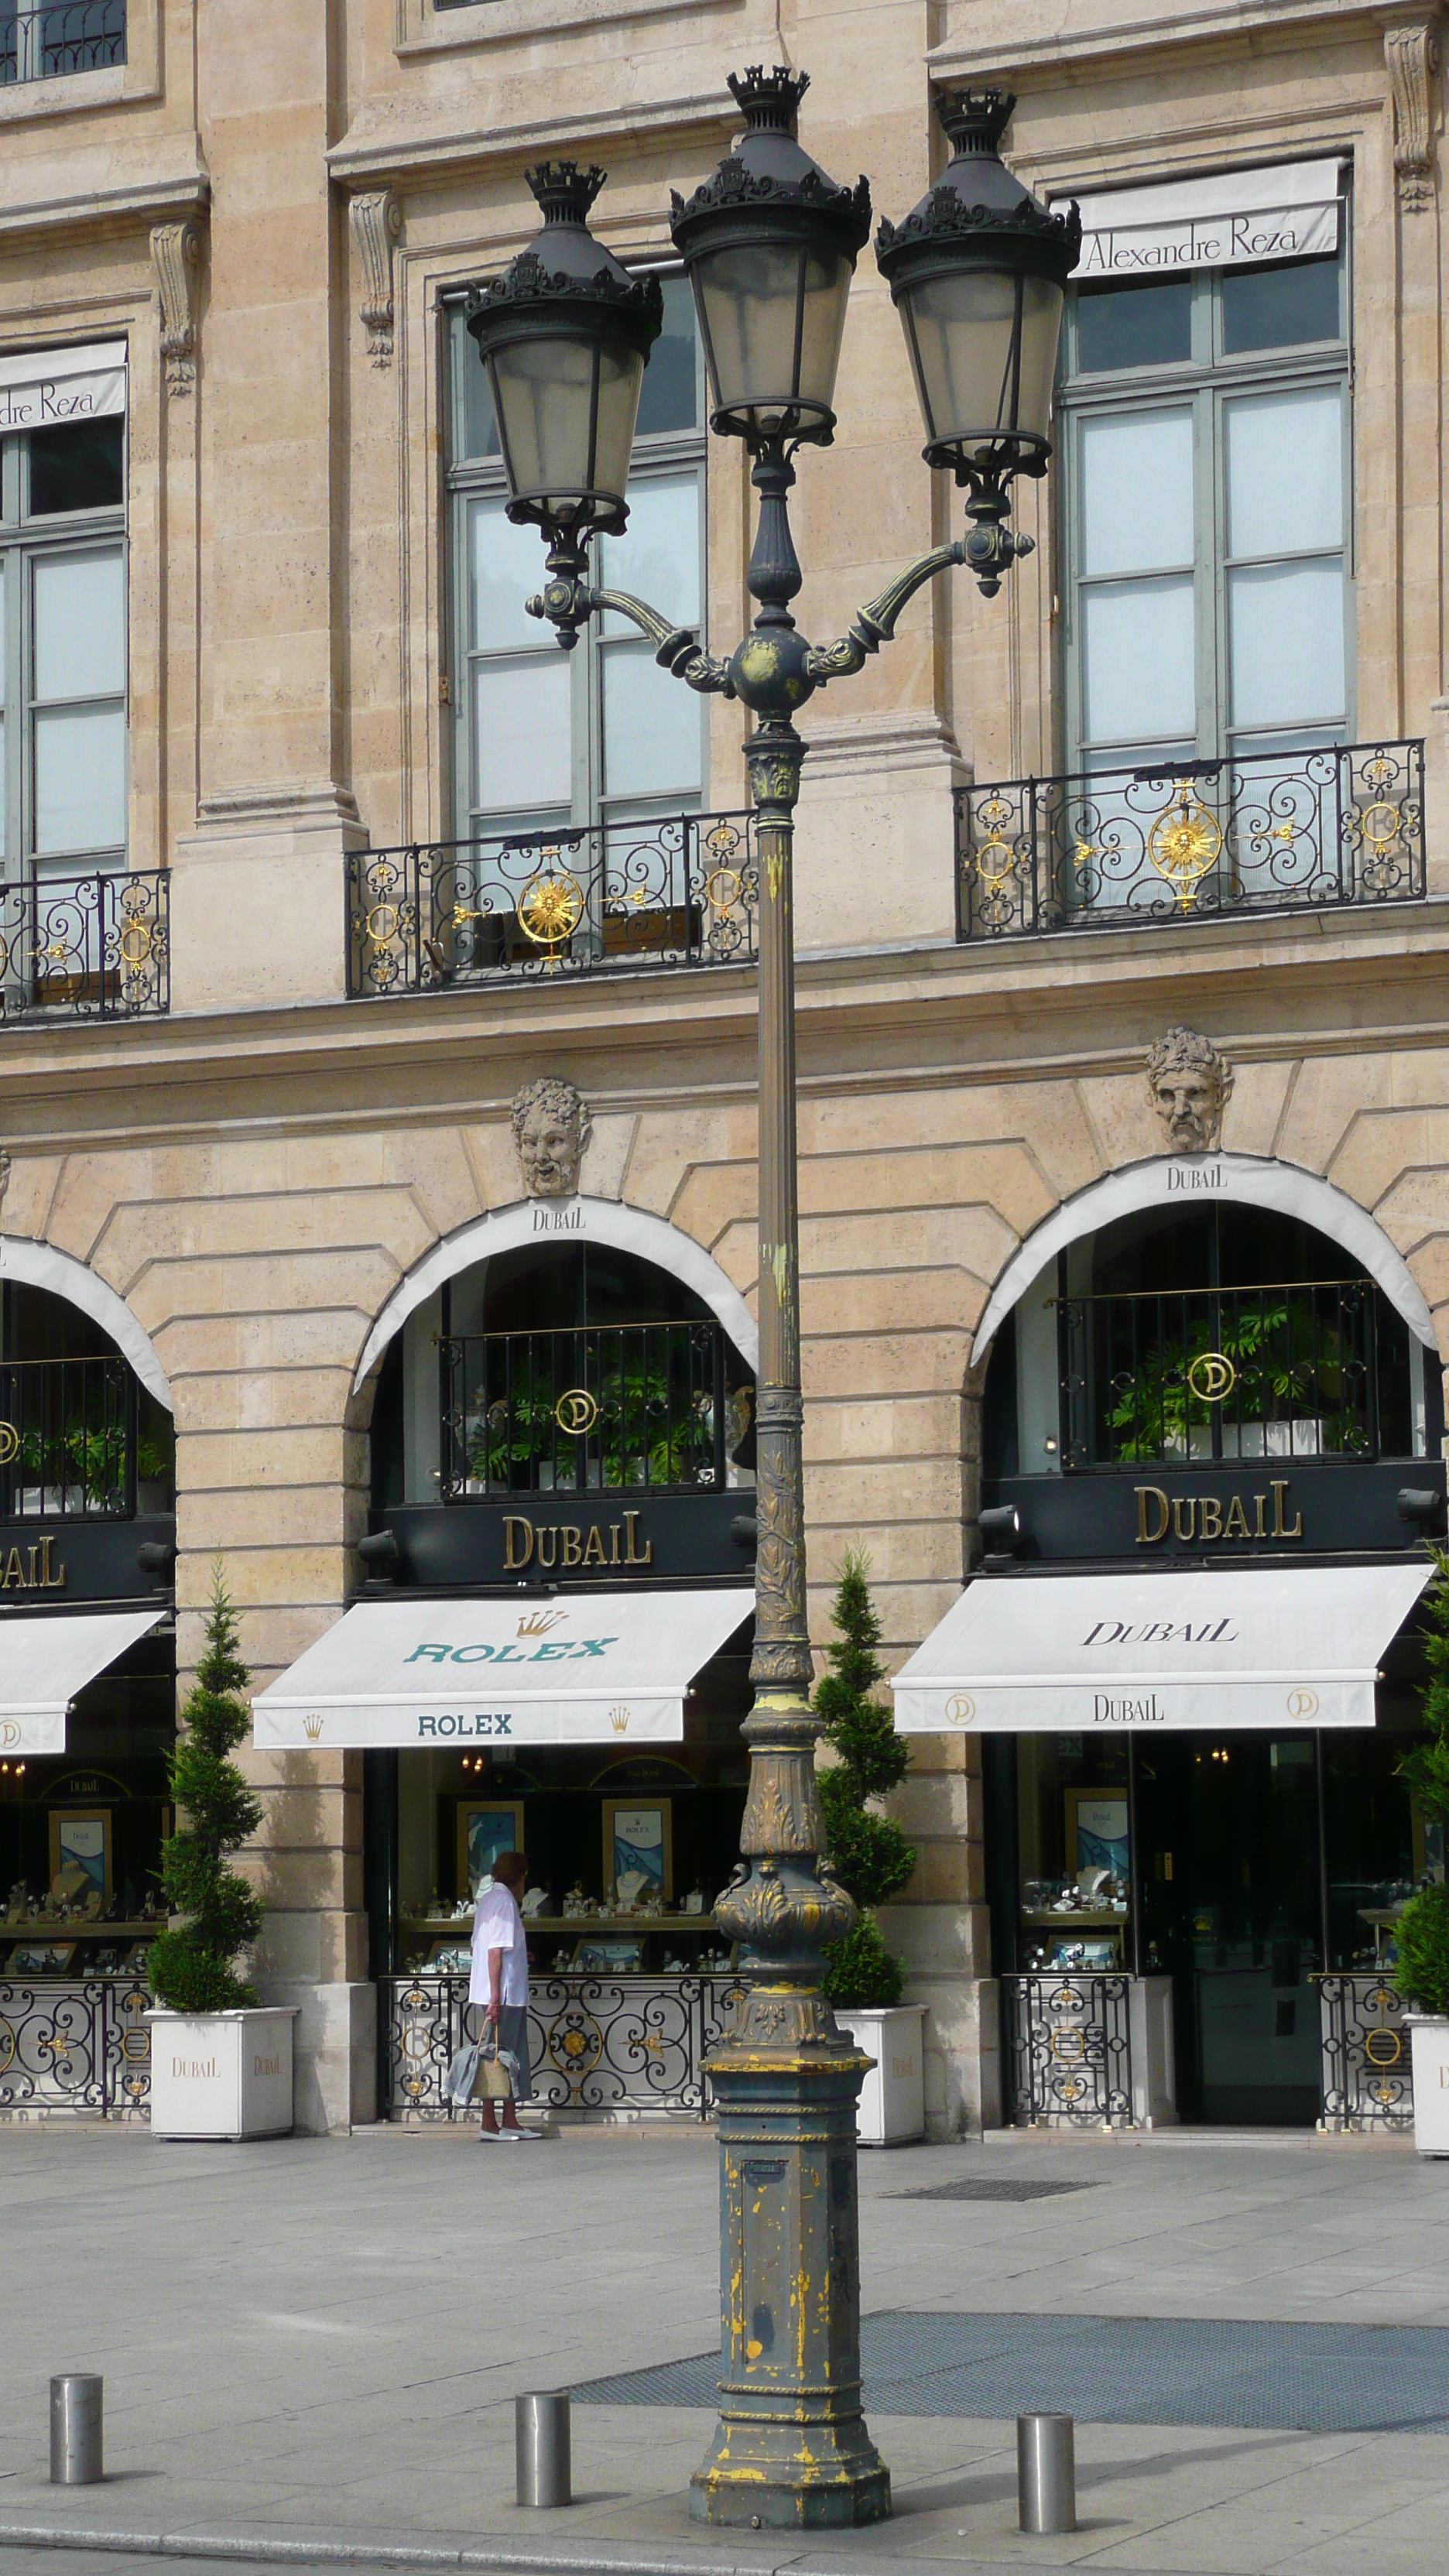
[
  {"x": 642, "y": 1433},
  {"x": 90, "y": 1455},
  {"x": 1280, "y": 1366},
  {"x": 867, "y": 1851},
  {"x": 1422, "y": 1930},
  {"x": 191, "y": 1966}
]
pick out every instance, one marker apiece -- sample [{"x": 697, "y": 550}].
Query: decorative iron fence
[
  {"x": 1188, "y": 840},
  {"x": 1069, "y": 2051},
  {"x": 40, "y": 39},
  {"x": 632, "y": 1407},
  {"x": 75, "y": 2047},
  {"x": 68, "y": 1445},
  {"x": 91, "y": 947},
  {"x": 682, "y": 890},
  {"x": 1166, "y": 1376},
  {"x": 596, "y": 2043},
  {"x": 1368, "y": 2077}
]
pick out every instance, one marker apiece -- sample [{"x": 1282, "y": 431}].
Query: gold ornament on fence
[
  {"x": 550, "y": 909},
  {"x": 1184, "y": 844}
]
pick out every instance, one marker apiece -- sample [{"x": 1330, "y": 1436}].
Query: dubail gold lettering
[
  {"x": 33, "y": 1572},
  {"x": 566, "y": 1547},
  {"x": 1205, "y": 1519}
]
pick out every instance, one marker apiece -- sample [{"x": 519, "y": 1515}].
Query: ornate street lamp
[{"x": 770, "y": 244}]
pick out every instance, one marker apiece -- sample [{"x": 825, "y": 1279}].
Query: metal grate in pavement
[
  {"x": 1120, "y": 2370},
  {"x": 1003, "y": 2189}
]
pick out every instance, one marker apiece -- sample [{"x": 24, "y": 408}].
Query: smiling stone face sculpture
[
  {"x": 1189, "y": 1085},
  {"x": 551, "y": 1129}
]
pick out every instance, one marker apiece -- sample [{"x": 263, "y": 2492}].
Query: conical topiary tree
[
  {"x": 868, "y": 1852},
  {"x": 192, "y": 1964},
  {"x": 1422, "y": 1930}
]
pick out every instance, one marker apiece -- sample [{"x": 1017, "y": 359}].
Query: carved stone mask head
[
  {"x": 1190, "y": 1085},
  {"x": 551, "y": 1128}
]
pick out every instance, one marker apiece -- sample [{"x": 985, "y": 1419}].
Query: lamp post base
[{"x": 791, "y": 2451}]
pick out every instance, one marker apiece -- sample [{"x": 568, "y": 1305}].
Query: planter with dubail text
[
  {"x": 892, "y": 2106},
  {"x": 222, "y": 2075},
  {"x": 1429, "y": 2048}
]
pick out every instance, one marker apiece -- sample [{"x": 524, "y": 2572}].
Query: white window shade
[
  {"x": 1280, "y": 1647},
  {"x": 593, "y": 1668},
  {"x": 45, "y": 1662},
  {"x": 1238, "y": 219},
  {"x": 55, "y": 388}
]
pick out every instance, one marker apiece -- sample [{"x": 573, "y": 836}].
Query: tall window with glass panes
[
  {"x": 1206, "y": 529},
  {"x": 545, "y": 741},
  {"x": 63, "y": 587}
]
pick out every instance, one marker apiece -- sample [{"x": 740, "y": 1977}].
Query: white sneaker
[{"x": 523, "y": 2137}]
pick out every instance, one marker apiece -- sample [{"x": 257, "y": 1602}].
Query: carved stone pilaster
[
  {"x": 1411, "y": 53},
  {"x": 175, "y": 254},
  {"x": 376, "y": 225}
]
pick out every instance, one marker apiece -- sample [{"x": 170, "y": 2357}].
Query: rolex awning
[
  {"x": 45, "y": 1662},
  {"x": 593, "y": 1668},
  {"x": 1288, "y": 1646}
]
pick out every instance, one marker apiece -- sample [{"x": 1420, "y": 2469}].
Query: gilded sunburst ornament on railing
[{"x": 1184, "y": 843}]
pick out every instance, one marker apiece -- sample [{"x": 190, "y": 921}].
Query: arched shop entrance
[
  {"x": 551, "y": 1652},
  {"x": 87, "y": 1683},
  {"x": 1211, "y": 1446}
]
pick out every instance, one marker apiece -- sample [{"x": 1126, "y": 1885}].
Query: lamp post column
[{"x": 791, "y": 2450}]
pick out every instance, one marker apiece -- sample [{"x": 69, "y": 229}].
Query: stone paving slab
[{"x": 317, "y": 2343}]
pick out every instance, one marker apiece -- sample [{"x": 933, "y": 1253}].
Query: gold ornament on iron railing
[{"x": 1184, "y": 844}]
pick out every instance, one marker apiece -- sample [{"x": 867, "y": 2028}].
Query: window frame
[
  {"x": 1202, "y": 384},
  {"x": 656, "y": 456},
  {"x": 25, "y": 542}
]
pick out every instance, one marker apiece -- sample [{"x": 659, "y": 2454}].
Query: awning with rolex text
[{"x": 582, "y": 1668}]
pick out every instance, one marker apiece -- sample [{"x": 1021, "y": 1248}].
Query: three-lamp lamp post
[{"x": 978, "y": 272}]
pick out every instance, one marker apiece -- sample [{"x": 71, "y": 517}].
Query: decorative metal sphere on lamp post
[{"x": 978, "y": 270}]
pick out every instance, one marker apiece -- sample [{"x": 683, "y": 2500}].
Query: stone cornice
[
  {"x": 1032, "y": 1010},
  {"x": 1214, "y": 22},
  {"x": 430, "y": 152},
  {"x": 156, "y": 198}
]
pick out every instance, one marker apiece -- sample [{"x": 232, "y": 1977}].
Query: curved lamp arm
[
  {"x": 569, "y": 604},
  {"x": 875, "y": 624}
]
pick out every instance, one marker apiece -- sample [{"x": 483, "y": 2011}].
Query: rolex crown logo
[
  {"x": 311, "y": 1728},
  {"x": 537, "y": 1623},
  {"x": 619, "y": 1720}
]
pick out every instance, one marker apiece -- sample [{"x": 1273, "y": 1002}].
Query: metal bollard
[
  {"x": 75, "y": 2428},
  {"x": 541, "y": 2441},
  {"x": 1046, "y": 2475}
]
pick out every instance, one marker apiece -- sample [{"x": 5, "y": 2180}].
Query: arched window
[
  {"x": 1218, "y": 1334},
  {"x": 567, "y": 1368},
  {"x": 80, "y": 1437}
]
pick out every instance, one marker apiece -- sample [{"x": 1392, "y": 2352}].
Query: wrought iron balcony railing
[
  {"x": 96, "y": 947},
  {"x": 71, "y": 1444},
  {"x": 41, "y": 39},
  {"x": 604, "y": 1408},
  {"x": 1190, "y": 840},
  {"x": 681, "y": 890},
  {"x": 1167, "y": 1377}
]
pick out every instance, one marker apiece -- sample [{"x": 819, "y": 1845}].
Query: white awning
[
  {"x": 593, "y": 1668},
  {"x": 44, "y": 1662},
  {"x": 1291, "y": 1645},
  {"x": 48, "y": 388},
  {"x": 1234, "y": 220}
]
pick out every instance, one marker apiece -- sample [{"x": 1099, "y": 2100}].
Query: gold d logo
[
  {"x": 9, "y": 1443},
  {"x": 9, "y": 1733},
  {"x": 1211, "y": 1377},
  {"x": 1303, "y": 1704},
  {"x": 576, "y": 1410},
  {"x": 960, "y": 1708}
]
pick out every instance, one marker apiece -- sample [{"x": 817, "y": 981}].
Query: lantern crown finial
[
  {"x": 975, "y": 119},
  {"x": 770, "y": 99},
  {"x": 564, "y": 190}
]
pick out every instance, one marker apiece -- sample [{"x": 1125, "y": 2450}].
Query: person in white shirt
[{"x": 499, "y": 1982}]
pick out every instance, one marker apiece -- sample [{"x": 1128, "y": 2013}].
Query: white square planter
[
  {"x": 892, "y": 2105},
  {"x": 222, "y": 2075},
  {"x": 1429, "y": 2045}
]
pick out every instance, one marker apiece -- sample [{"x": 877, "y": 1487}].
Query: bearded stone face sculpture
[
  {"x": 1189, "y": 1085},
  {"x": 551, "y": 1129}
]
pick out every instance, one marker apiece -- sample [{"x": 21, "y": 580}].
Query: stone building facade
[{"x": 278, "y": 232}]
